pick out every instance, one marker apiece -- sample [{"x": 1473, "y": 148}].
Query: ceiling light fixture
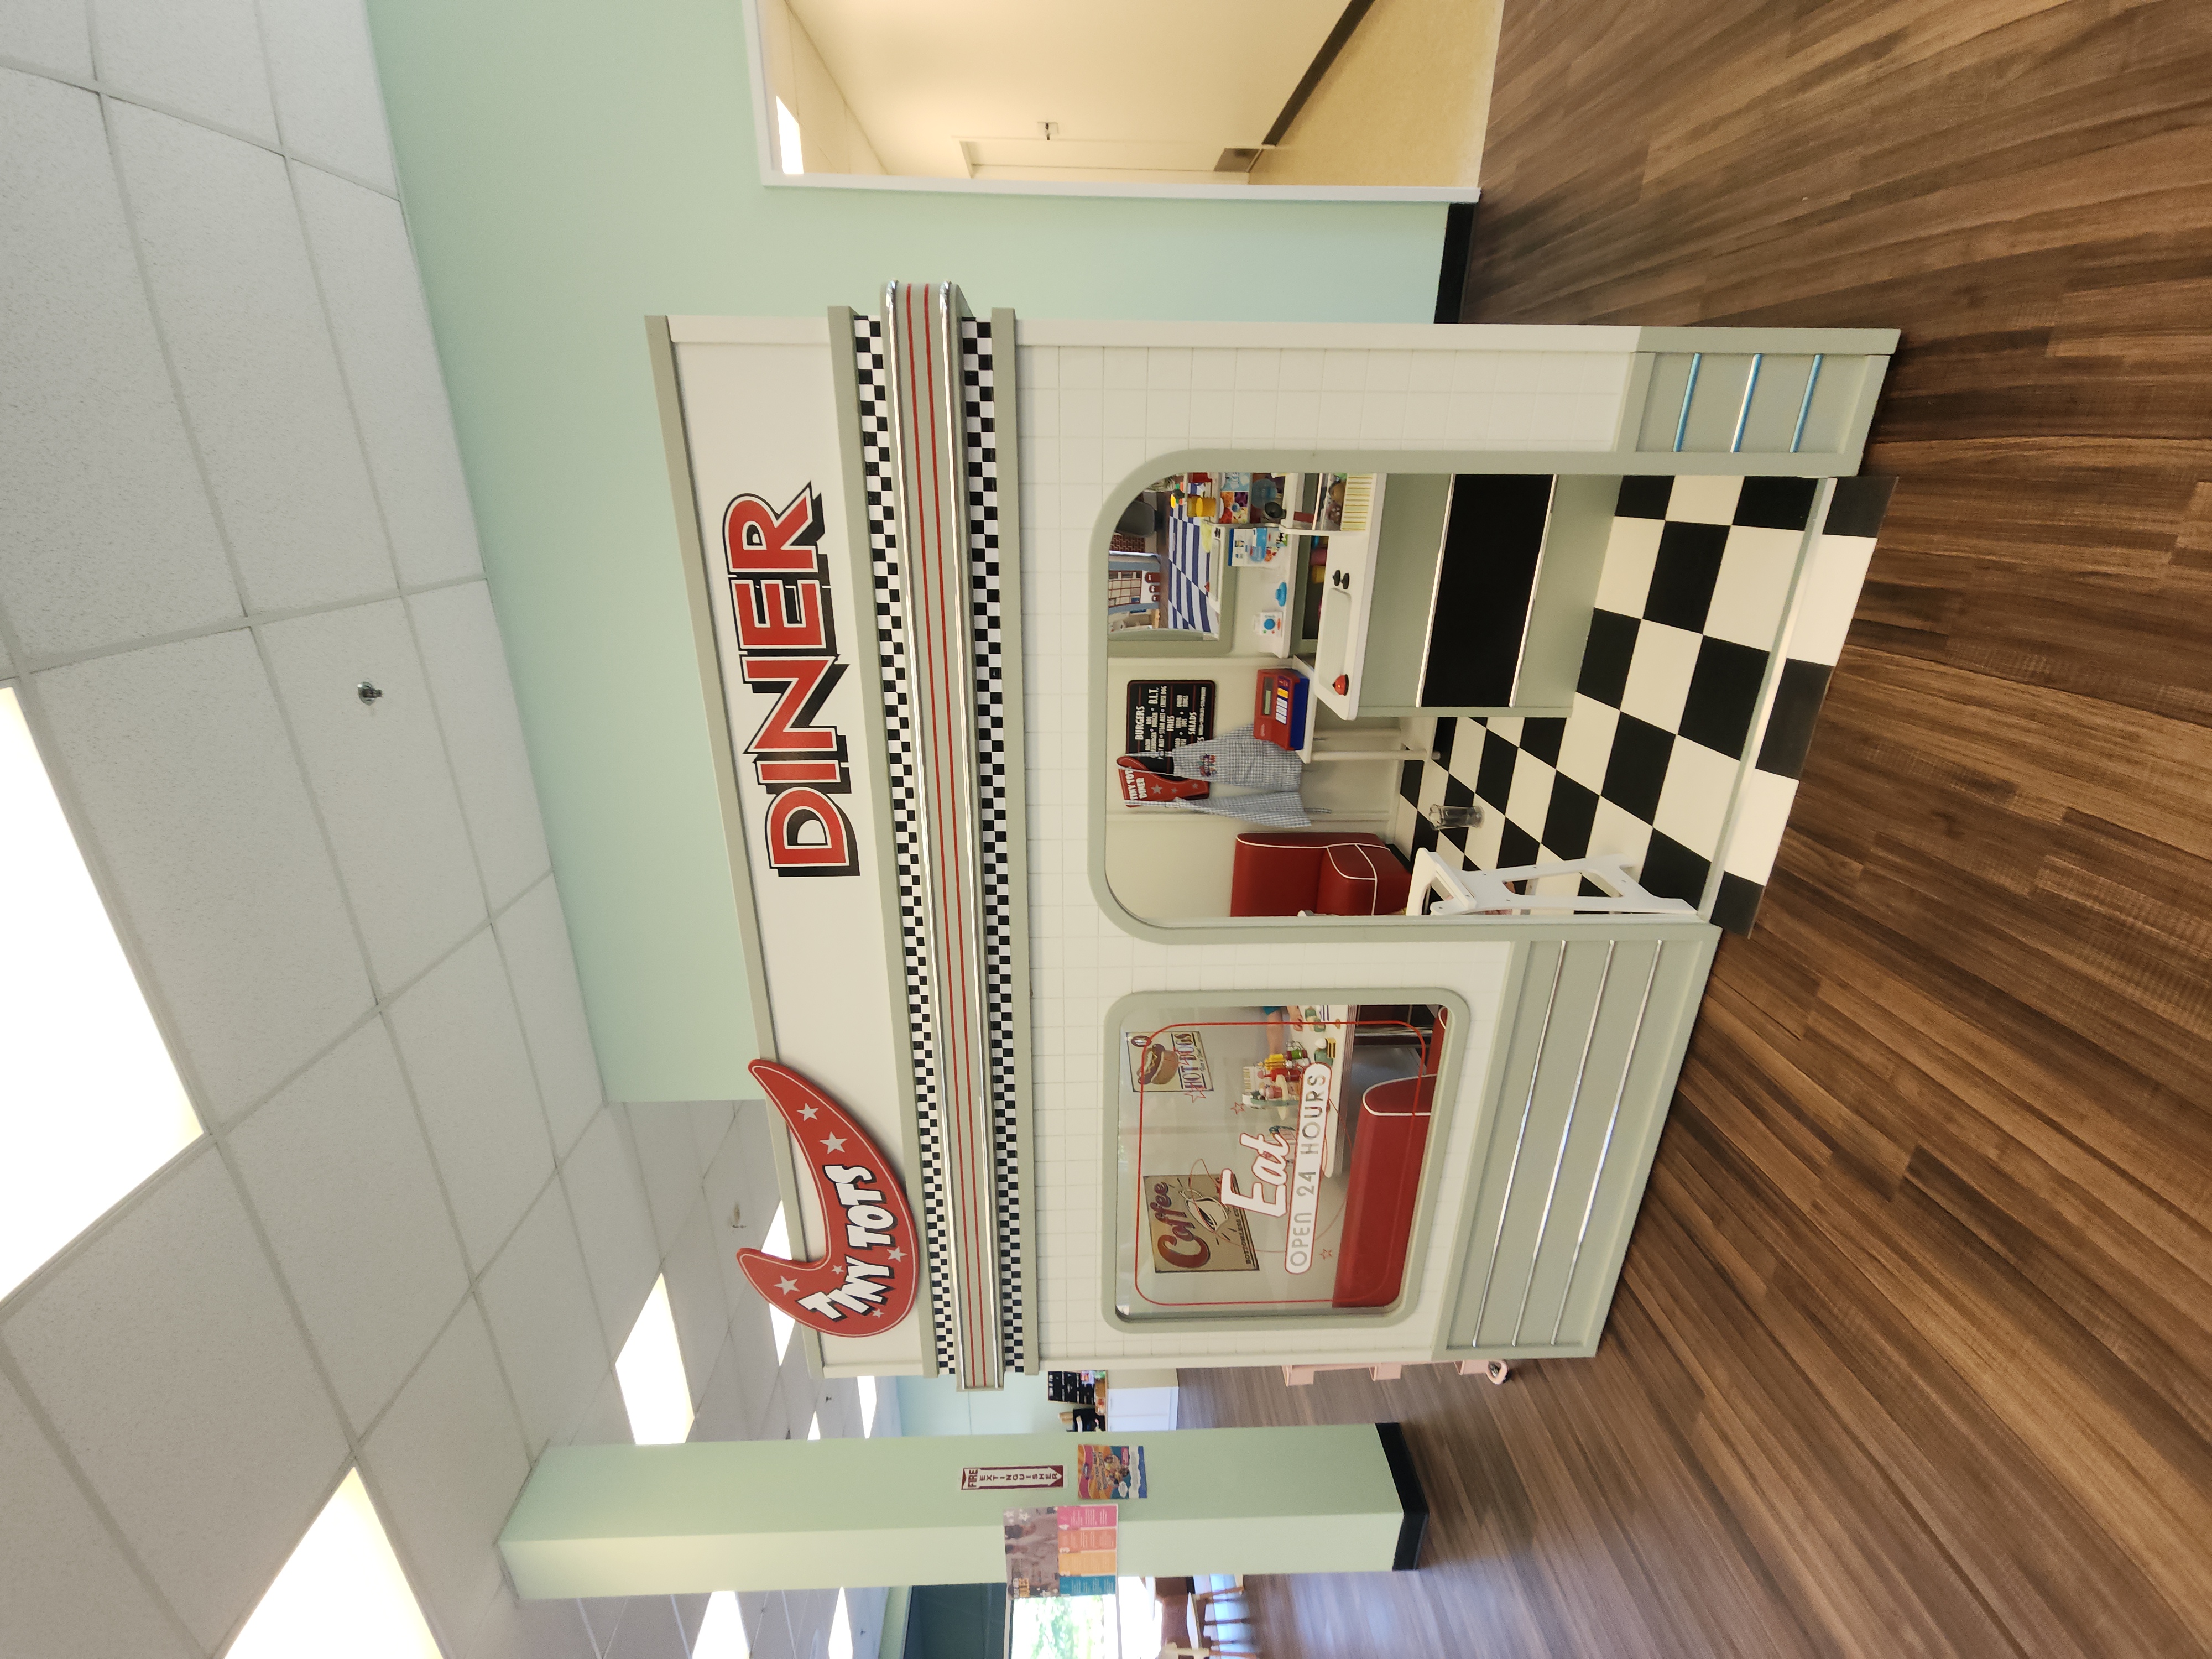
[
  {"x": 655, "y": 1391},
  {"x": 92, "y": 1104},
  {"x": 342, "y": 1595}
]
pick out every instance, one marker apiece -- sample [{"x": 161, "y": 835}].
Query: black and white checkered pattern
[
  {"x": 1827, "y": 594},
  {"x": 1694, "y": 600},
  {"x": 979, "y": 409},
  {"x": 879, "y": 467}
]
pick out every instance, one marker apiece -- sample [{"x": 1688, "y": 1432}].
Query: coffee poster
[{"x": 1193, "y": 1231}]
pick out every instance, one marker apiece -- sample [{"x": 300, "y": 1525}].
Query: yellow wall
[{"x": 830, "y": 134}]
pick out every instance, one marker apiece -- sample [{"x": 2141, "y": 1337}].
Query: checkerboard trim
[
  {"x": 979, "y": 414},
  {"x": 879, "y": 468}
]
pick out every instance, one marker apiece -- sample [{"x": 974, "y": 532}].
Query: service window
[{"x": 1269, "y": 1156}]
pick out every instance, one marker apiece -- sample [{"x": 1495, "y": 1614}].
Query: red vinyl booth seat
[
  {"x": 1384, "y": 1185},
  {"x": 1279, "y": 872}
]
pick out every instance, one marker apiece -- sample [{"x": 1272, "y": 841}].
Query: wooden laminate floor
[{"x": 1913, "y": 1350}]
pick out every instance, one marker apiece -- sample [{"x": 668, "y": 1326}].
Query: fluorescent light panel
[
  {"x": 90, "y": 1103},
  {"x": 840, "y": 1632},
  {"x": 867, "y": 1404},
  {"x": 788, "y": 148},
  {"x": 342, "y": 1595},
  {"x": 722, "y": 1631},
  {"x": 655, "y": 1391}
]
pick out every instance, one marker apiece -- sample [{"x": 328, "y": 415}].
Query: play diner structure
[{"x": 1232, "y": 821}]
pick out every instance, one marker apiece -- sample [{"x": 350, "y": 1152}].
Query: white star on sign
[
  {"x": 838, "y": 1271},
  {"x": 898, "y": 1255},
  {"x": 787, "y": 1284},
  {"x": 809, "y": 1113},
  {"x": 834, "y": 1144}
]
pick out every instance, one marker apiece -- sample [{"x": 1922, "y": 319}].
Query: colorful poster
[
  {"x": 1169, "y": 1060},
  {"x": 1110, "y": 1471},
  {"x": 1193, "y": 1231},
  {"x": 1087, "y": 1548},
  {"x": 1033, "y": 1552},
  {"x": 1012, "y": 1477}
]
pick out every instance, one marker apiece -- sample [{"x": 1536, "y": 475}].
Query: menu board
[{"x": 1166, "y": 713}]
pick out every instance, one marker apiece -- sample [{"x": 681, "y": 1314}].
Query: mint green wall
[{"x": 570, "y": 168}]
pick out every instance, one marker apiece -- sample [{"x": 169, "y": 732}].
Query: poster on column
[
  {"x": 1070, "y": 1550},
  {"x": 795, "y": 644}
]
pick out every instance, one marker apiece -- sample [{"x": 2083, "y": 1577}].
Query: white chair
[{"x": 1488, "y": 892}]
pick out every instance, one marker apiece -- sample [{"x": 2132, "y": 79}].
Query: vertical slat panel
[{"x": 1594, "y": 1048}]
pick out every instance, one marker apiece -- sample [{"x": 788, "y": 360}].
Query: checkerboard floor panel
[{"x": 1682, "y": 749}]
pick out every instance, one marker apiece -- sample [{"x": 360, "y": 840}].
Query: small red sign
[{"x": 867, "y": 1281}]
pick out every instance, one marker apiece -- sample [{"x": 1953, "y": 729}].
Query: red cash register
[{"x": 1279, "y": 708}]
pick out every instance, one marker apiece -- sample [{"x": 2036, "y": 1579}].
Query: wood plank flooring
[{"x": 1913, "y": 1350}]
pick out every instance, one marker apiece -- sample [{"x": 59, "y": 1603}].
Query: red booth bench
[{"x": 1280, "y": 873}]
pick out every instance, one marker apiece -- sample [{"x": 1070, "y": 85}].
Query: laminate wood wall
[{"x": 1913, "y": 1350}]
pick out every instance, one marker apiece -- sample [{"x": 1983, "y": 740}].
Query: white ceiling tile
[
  {"x": 336, "y": 1169},
  {"x": 810, "y": 1613},
  {"x": 868, "y": 1606},
  {"x": 50, "y": 33},
  {"x": 741, "y": 1177},
  {"x": 174, "y": 1371},
  {"x": 795, "y": 1391},
  {"x": 328, "y": 106},
  {"x": 467, "y": 667},
  {"x": 608, "y": 1198},
  {"x": 741, "y": 1180},
  {"x": 444, "y": 1466},
  {"x": 380, "y": 773},
  {"x": 600, "y": 1614},
  {"x": 696, "y": 1298},
  {"x": 710, "y": 1126},
  {"x": 533, "y": 1630},
  {"x": 690, "y": 1613},
  {"x": 607, "y": 1422},
  {"x": 92, "y": 447},
  {"x": 463, "y": 1047},
  {"x": 66, "y": 1589},
  {"x": 669, "y": 1163},
  {"x": 647, "y": 1631},
  {"x": 771, "y": 1635},
  {"x": 740, "y": 1396},
  {"x": 181, "y": 762},
  {"x": 539, "y": 1302},
  {"x": 236, "y": 297},
  {"x": 383, "y": 333},
  {"x": 203, "y": 56},
  {"x": 533, "y": 938}
]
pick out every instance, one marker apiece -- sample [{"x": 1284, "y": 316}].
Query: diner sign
[
  {"x": 869, "y": 1276},
  {"x": 1305, "y": 1171},
  {"x": 1012, "y": 1477}
]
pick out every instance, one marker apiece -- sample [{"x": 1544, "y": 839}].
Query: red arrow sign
[{"x": 867, "y": 1281}]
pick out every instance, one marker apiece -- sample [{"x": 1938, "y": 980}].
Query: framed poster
[{"x": 1163, "y": 713}]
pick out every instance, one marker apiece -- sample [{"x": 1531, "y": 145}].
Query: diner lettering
[{"x": 787, "y": 647}]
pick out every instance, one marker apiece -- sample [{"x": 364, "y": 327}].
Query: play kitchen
[{"x": 1018, "y": 702}]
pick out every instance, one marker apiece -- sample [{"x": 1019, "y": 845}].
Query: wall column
[{"x": 758, "y": 1515}]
